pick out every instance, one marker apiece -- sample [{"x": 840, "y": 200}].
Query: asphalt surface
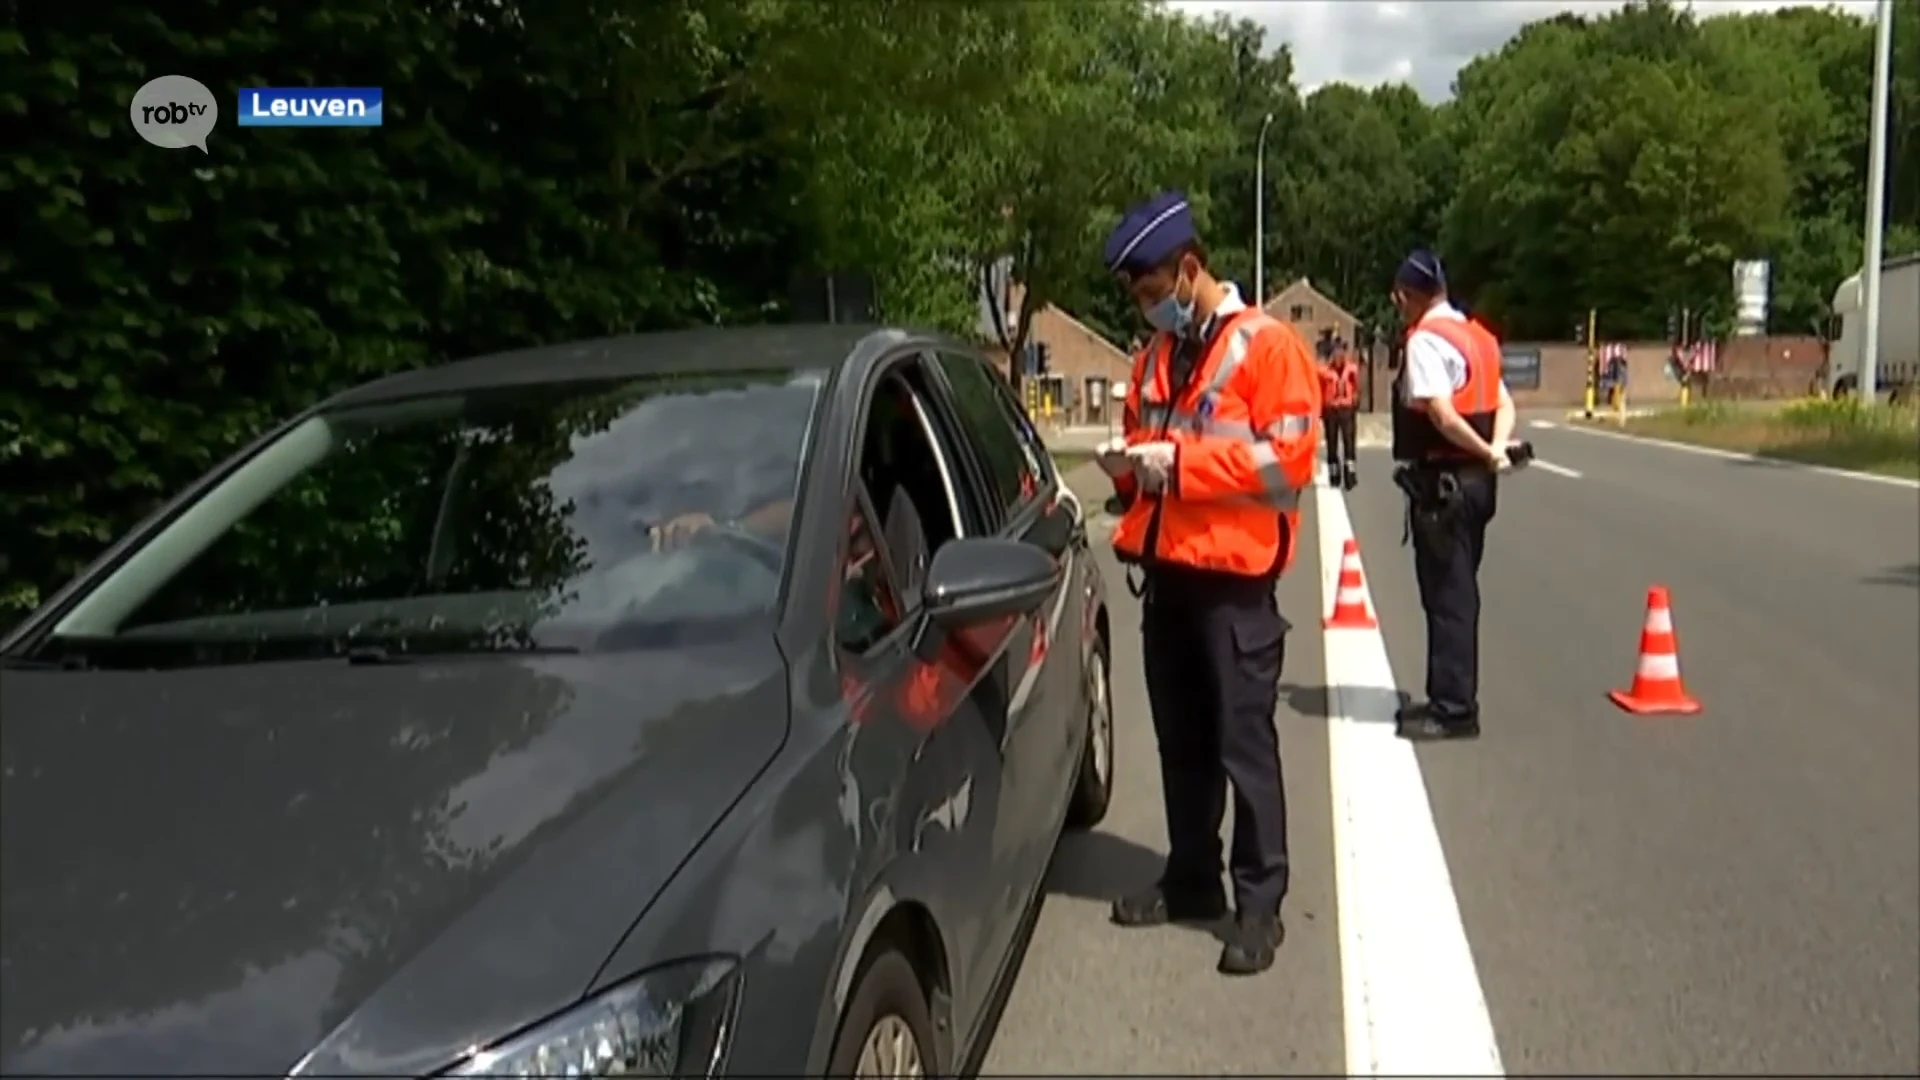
[{"x": 1736, "y": 892}]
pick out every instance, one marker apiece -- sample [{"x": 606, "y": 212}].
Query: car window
[
  {"x": 1010, "y": 471},
  {"x": 869, "y": 604},
  {"x": 1032, "y": 446},
  {"x": 488, "y": 521}
]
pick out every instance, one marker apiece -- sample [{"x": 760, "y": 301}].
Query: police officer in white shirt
[{"x": 1452, "y": 423}]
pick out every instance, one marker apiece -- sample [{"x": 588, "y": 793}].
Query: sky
[{"x": 1420, "y": 42}]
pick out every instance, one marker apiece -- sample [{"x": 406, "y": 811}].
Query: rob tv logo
[{"x": 267, "y": 106}]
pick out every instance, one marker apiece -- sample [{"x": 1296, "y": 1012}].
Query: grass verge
[{"x": 1882, "y": 439}]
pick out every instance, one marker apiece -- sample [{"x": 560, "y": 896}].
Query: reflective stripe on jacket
[{"x": 1246, "y": 443}]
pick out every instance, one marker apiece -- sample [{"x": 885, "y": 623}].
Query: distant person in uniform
[{"x": 1340, "y": 404}]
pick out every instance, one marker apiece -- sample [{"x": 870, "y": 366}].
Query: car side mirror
[{"x": 981, "y": 579}]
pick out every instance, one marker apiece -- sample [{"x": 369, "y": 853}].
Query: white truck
[{"x": 1898, "y": 371}]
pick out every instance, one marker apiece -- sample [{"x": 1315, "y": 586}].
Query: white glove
[
  {"x": 1112, "y": 457},
  {"x": 1152, "y": 462}
]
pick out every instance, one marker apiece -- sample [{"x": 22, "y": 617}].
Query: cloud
[{"x": 1420, "y": 42}]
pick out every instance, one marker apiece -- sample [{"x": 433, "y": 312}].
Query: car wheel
[
  {"x": 1093, "y": 790},
  {"x": 886, "y": 1030}
]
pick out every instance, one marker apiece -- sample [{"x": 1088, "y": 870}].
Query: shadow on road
[
  {"x": 1908, "y": 575},
  {"x": 1103, "y": 867},
  {"x": 1368, "y": 704}
]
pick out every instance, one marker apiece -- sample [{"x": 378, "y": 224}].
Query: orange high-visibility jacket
[
  {"x": 1246, "y": 448},
  {"x": 1340, "y": 384},
  {"x": 1478, "y": 398}
]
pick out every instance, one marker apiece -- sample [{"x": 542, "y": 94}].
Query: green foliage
[
  {"x": 586, "y": 167},
  {"x": 1623, "y": 163}
]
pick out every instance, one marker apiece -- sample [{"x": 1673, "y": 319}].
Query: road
[{"x": 1579, "y": 891}]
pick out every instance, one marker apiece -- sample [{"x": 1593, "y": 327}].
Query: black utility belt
[{"x": 1433, "y": 484}]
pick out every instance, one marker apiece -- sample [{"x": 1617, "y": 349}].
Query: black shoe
[
  {"x": 1251, "y": 944},
  {"x": 1353, "y": 478},
  {"x": 1420, "y": 723},
  {"x": 1157, "y": 906}
]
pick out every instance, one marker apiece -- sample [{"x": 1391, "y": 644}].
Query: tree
[
  {"x": 1107, "y": 108},
  {"x": 586, "y": 167}
]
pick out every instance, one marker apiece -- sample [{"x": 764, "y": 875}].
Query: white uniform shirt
[{"x": 1434, "y": 367}]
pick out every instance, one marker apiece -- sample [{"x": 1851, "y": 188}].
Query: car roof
[{"x": 804, "y": 347}]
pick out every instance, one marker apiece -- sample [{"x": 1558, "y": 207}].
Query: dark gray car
[{"x": 688, "y": 704}]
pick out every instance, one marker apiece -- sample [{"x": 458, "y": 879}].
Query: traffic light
[
  {"x": 1580, "y": 332},
  {"x": 1673, "y": 326}
]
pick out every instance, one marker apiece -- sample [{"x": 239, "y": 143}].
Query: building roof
[
  {"x": 1092, "y": 334},
  {"x": 1303, "y": 284}
]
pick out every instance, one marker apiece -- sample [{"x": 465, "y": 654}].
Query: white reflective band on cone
[{"x": 1660, "y": 666}]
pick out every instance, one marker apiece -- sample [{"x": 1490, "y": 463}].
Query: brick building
[
  {"x": 1313, "y": 313},
  {"x": 1082, "y": 369}
]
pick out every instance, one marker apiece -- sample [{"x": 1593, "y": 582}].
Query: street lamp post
[
  {"x": 1260, "y": 215},
  {"x": 1876, "y": 204}
]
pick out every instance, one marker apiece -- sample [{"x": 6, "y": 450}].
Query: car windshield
[{"x": 500, "y": 520}]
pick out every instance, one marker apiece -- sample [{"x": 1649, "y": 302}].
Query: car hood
[{"x": 211, "y": 871}]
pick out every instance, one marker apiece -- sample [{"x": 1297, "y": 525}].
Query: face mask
[{"x": 1171, "y": 315}]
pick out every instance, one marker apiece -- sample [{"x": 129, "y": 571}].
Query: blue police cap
[
  {"x": 1149, "y": 234},
  {"x": 1422, "y": 271}
]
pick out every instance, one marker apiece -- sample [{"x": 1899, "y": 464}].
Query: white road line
[
  {"x": 1412, "y": 996},
  {"x": 1557, "y": 470},
  {"x": 1734, "y": 455},
  {"x": 1544, "y": 425}
]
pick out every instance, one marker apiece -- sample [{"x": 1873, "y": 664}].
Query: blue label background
[{"x": 373, "y": 97}]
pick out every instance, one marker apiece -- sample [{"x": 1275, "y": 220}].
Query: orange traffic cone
[
  {"x": 1656, "y": 681},
  {"x": 1350, "y": 599}
]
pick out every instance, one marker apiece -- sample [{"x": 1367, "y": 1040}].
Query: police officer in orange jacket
[
  {"x": 1340, "y": 399},
  {"x": 1452, "y": 423},
  {"x": 1219, "y": 441}
]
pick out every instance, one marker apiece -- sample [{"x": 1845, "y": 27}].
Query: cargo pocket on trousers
[{"x": 1259, "y": 646}]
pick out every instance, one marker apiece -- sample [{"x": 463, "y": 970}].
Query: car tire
[
  {"x": 1093, "y": 787},
  {"x": 888, "y": 1005}
]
